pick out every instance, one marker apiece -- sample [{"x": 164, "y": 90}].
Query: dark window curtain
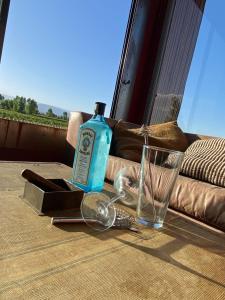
[
  {"x": 4, "y": 8},
  {"x": 138, "y": 59},
  {"x": 158, "y": 50}
]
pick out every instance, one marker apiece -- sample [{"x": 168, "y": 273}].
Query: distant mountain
[{"x": 43, "y": 108}]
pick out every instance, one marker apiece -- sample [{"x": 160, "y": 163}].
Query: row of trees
[{"x": 26, "y": 106}]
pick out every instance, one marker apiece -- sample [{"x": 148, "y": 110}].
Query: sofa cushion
[
  {"x": 127, "y": 143},
  {"x": 205, "y": 160},
  {"x": 201, "y": 200}
]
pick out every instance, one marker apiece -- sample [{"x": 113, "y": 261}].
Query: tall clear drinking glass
[{"x": 159, "y": 170}]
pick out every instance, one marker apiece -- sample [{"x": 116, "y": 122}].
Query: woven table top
[{"x": 184, "y": 260}]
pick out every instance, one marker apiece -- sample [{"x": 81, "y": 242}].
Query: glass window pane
[
  {"x": 203, "y": 105},
  {"x": 63, "y": 53}
]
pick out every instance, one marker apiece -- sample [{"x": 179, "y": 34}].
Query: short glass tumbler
[{"x": 159, "y": 170}]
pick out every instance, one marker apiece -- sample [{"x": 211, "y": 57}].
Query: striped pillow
[{"x": 205, "y": 160}]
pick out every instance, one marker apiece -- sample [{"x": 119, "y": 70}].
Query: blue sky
[{"x": 64, "y": 53}]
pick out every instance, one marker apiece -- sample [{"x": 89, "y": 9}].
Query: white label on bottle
[{"x": 83, "y": 156}]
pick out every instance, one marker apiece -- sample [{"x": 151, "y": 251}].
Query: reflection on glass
[{"x": 203, "y": 105}]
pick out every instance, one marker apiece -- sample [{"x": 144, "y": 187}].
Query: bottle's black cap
[{"x": 99, "y": 108}]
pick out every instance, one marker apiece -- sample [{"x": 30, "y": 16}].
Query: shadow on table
[
  {"x": 161, "y": 254},
  {"x": 184, "y": 233},
  {"x": 101, "y": 235},
  {"x": 196, "y": 235}
]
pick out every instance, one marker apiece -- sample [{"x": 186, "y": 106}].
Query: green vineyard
[{"x": 37, "y": 119}]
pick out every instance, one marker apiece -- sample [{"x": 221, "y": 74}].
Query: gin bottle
[{"x": 92, "y": 152}]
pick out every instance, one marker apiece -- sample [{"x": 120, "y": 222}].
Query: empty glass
[{"x": 159, "y": 170}]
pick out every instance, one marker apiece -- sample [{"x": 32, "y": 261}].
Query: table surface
[{"x": 185, "y": 260}]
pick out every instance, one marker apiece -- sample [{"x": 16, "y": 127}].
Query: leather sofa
[{"x": 200, "y": 200}]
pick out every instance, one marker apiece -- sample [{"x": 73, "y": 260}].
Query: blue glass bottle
[{"x": 92, "y": 152}]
